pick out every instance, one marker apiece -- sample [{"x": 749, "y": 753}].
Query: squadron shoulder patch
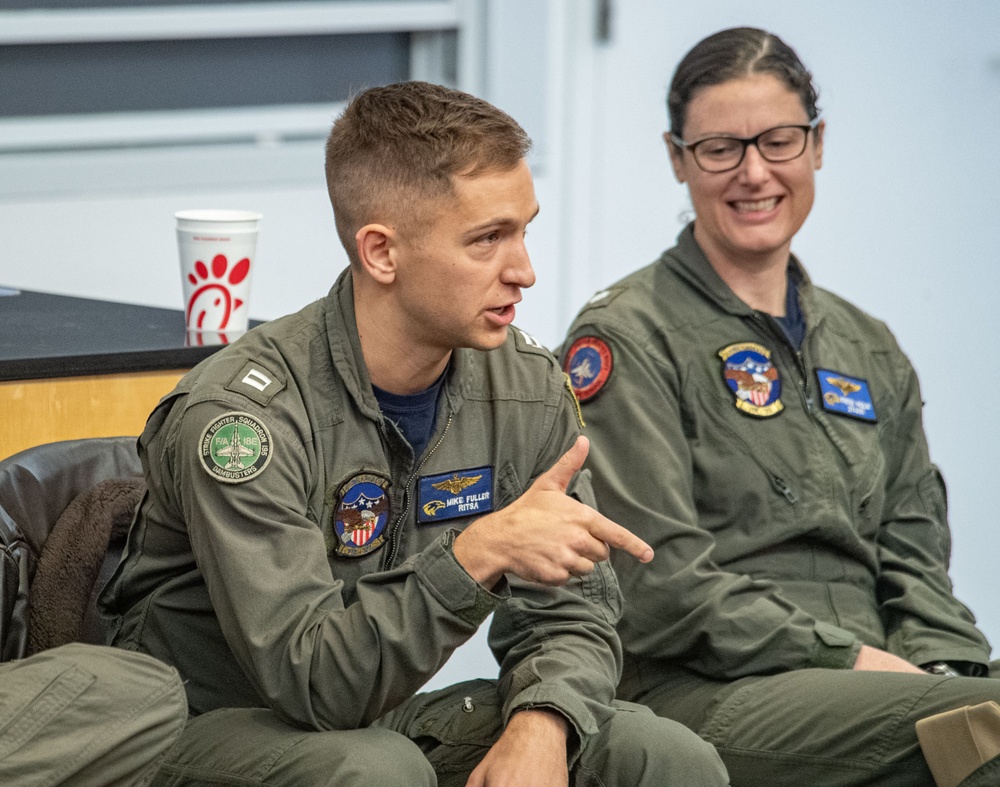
[
  {"x": 453, "y": 495},
  {"x": 361, "y": 515},
  {"x": 843, "y": 395},
  {"x": 588, "y": 363},
  {"x": 235, "y": 447},
  {"x": 753, "y": 378}
]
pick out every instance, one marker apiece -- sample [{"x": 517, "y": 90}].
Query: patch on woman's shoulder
[
  {"x": 235, "y": 447},
  {"x": 588, "y": 363}
]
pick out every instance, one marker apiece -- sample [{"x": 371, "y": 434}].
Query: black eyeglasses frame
[{"x": 746, "y": 142}]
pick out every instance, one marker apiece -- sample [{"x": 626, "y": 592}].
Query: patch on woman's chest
[
  {"x": 361, "y": 515},
  {"x": 753, "y": 378},
  {"x": 460, "y": 493},
  {"x": 844, "y": 395}
]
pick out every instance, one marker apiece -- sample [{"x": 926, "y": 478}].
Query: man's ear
[
  {"x": 375, "y": 245},
  {"x": 676, "y": 158}
]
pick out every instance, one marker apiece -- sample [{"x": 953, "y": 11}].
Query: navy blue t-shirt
[
  {"x": 415, "y": 414},
  {"x": 794, "y": 322}
]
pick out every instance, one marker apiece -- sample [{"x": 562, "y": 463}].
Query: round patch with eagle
[{"x": 753, "y": 378}]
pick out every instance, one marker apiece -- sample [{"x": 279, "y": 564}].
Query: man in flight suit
[{"x": 338, "y": 500}]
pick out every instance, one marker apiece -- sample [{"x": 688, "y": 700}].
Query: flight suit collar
[
  {"x": 349, "y": 360},
  {"x": 693, "y": 266},
  {"x": 345, "y": 345}
]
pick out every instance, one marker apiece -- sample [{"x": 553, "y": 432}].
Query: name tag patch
[
  {"x": 452, "y": 495},
  {"x": 844, "y": 395}
]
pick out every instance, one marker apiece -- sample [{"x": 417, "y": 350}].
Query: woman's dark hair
[{"x": 731, "y": 54}]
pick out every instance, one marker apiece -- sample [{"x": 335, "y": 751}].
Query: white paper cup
[{"x": 217, "y": 250}]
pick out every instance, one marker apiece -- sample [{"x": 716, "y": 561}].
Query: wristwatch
[{"x": 941, "y": 668}]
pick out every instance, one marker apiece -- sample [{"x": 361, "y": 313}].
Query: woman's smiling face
[{"x": 751, "y": 213}]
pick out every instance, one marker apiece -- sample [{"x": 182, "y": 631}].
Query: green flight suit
[
  {"x": 293, "y": 560},
  {"x": 795, "y": 516},
  {"x": 87, "y": 716}
]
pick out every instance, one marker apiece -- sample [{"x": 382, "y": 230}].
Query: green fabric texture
[{"x": 87, "y": 716}]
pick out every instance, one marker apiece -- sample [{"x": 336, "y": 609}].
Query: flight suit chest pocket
[
  {"x": 869, "y": 495},
  {"x": 757, "y": 461},
  {"x": 855, "y": 441}
]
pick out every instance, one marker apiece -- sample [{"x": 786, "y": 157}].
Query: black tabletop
[{"x": 43, "y": 335}]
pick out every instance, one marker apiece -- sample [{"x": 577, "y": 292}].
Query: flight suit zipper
[
  {"x": 390, "y": 550},
  {"x": 769, "y": 325},
  {"x": 786, "y": 491}
]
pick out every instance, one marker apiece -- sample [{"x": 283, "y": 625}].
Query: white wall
[{"x": 121, "y": 247}]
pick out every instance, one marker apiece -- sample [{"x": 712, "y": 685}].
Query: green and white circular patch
[{"x": 235, "y": 448}]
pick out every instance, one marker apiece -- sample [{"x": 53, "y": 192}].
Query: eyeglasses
[{"x": 721, "y": 154}]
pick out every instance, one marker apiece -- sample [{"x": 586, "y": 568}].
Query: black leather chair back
[{"x": 36, "y": 486}]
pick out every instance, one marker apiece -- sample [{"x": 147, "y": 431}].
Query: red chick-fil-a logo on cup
[{"x": 217, "y": 249}]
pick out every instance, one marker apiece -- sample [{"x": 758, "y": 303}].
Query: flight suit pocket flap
[{"x": 832, "y": 636}]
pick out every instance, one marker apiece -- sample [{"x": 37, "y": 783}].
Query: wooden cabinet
[{"x": 66, "y": 408}]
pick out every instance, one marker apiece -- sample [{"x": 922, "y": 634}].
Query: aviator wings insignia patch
[
  {"x": 845, "y": 395},
  {"x": 456, "y": 483},
  {"x": 463, "y": 493}
]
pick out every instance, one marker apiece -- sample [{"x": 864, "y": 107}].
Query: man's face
[{"x": 459, "y": 275}]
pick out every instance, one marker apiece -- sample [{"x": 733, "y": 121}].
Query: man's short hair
[{"x": 396, "y": 147}]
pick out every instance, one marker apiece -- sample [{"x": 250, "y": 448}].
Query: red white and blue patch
[
  {"x": 753, "y": 378},
  {"x": 588, "y": 365},
  {"x": 843, "y": 395},
  {"x": 362, "y": 513}
]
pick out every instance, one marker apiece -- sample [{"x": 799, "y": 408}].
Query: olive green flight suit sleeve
[
  {"x": 316, "y": 660},
  {"x": 557, "y": 647},
  {"x": 682, "y": 606},
  {"x": 924, "y": 621}
]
